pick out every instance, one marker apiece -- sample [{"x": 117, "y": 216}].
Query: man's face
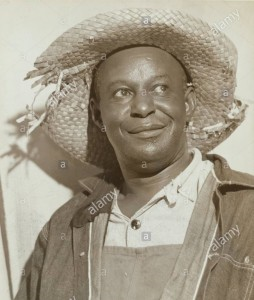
[{"x": 141, "y": 92}]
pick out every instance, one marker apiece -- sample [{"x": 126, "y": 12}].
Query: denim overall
[{"x": 152, "y": 272}]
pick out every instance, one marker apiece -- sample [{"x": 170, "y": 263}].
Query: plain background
[{"x": 33, "y": 185}]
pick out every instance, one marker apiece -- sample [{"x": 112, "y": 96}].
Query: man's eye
[
  {"x": 122, "y": 93},
  {"x": 160, "y": 89}
]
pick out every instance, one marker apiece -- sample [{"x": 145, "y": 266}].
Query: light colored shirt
[{"x": 164, "y": 219}]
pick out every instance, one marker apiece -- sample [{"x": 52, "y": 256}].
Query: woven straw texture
[{"x": 210, "y": 59}]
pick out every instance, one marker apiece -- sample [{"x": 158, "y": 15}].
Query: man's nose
[{"x": 142, "y": 106}]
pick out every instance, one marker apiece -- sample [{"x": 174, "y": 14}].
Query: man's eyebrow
[
  {"x": 124, "y": 82},
  {"x": 164, "y": 76},
  {"x": 117, "y": 82}
]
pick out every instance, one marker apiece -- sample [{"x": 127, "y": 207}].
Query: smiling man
[
  {"x": 144, "y": 103},
  {"x": 167, "y": 202}
]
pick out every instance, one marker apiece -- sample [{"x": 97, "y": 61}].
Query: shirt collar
[
  {"x": 185, "y": 183},
  {"x": 177, "y": 186}
]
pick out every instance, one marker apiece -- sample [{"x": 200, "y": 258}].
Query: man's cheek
[
  {"x": 179, "y": 115},
  {"x": 112, "y": 127}
]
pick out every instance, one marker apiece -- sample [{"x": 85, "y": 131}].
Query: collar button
[{"x": 135, "y": 224}]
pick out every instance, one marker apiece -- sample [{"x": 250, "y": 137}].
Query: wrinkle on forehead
[{"x": 120, "y": 60}]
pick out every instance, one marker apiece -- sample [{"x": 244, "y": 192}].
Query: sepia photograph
[{"x": 127, "y": 150}]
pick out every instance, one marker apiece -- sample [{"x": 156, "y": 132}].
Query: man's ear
[
  {"x": 190, "y": 102},
  {"x": 96, "y": 113}
]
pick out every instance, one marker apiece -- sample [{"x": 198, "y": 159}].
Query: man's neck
[{"x": 143, "y": 185}]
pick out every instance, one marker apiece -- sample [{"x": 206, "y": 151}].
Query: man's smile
[
  {"x": 146, "y": 127},
  {"x": 147, "y": 130}
]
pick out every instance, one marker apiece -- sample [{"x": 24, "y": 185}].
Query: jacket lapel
[
  {"x": 89, "y": 228},
  {"x": 80, "y": 257}
]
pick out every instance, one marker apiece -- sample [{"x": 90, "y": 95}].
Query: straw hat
[{"x": 70, "y": 62}]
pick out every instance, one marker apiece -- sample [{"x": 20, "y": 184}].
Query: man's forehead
[
  {"x": 148, "y": 53},
  {"x": 140, "y": 57}
]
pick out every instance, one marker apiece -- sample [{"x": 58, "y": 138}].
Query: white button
[
  {"x": 247, "y": 260},
  {"x": 172, "y": 203}
]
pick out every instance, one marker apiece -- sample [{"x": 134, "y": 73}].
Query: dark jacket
[{"x": 66, "y": 258}]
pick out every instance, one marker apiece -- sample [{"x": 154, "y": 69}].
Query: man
[{"x": 161, "y": 223}]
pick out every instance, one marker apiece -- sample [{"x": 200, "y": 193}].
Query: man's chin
[{"x": 149, "y": 153}]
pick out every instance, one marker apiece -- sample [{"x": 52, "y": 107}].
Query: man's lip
[{"x": 147, "y": 127}]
